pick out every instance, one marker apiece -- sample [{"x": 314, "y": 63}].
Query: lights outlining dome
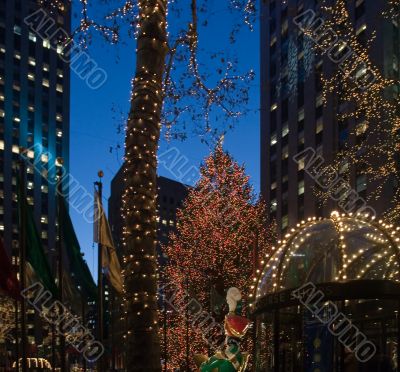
[{"x": 341, "y": 248}]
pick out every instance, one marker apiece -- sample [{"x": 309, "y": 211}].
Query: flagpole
[
  {"x": 16, "y": 336},
  {"x": 100, "y": 316},
  {"x": 112, "y": 296},
  {"x": 84, "y": 324},
  {"x": 53, "y": 348},
  {"x": 22, "y": 252},
  {"x": 60, "y": 259}
]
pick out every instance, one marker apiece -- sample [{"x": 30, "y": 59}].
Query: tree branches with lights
[
  {"x": 221, "y": 232},
  {"x": 172, "y": 90},
  {"x": 370, "y": 112}
]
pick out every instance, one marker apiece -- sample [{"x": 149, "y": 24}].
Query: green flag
[
  {"x": 34, "y": 250},
  {"x": 79, "y": 270}
]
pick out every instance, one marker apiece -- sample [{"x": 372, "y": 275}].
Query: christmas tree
[{"x": 221, "y": 232}]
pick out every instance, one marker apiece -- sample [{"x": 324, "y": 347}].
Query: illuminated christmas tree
[{"x": 221, "y": 232}]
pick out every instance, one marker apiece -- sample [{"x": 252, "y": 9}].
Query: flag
[
  {"x": 35, "y": 255},
  {"x": 71, "y": 294},
  {"x": 79, "y": 269},
  {"x": 8, "y": 279},
  {"x": 109, "y": 254}
]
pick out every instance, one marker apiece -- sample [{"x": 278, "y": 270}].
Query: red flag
[{"x": 8, "y": 280}]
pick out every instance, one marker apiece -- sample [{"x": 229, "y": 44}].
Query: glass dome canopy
[{"x": 340, "y": 248}]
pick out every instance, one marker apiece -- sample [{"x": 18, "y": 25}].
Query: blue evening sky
[{"x": 96, "y": 114}]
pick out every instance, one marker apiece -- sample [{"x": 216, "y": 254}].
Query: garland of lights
[{"x": 385, "y": 235}]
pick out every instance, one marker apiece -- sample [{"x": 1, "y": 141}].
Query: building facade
[
  {"x": 34, "y": 111},
  {"x": 34, "y": 115},
  {"x": 293, "y": 115}
]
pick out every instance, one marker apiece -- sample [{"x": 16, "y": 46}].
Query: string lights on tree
[
  {"x": 221, "y": 230},
  {"x": 367, "y": 104},
  {"x": 171, "y": 89}
]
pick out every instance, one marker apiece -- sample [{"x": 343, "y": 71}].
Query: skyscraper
[
  {"x": 34, "y": 112},
  {"x": 294, "y": 117}
]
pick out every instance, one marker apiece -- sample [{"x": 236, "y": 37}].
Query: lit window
[
  {"x": 274, "y": 205},
  {"x": 361, "y": 183},
  {"x": 285, "y": 222},
  {"x": 2, "y": 113},
  {"x": 300, "y": 115},
  {"x": 361, "y": 128},
  {"x": 59, "y": 133},
  {"x": 32, "y": 37},
  {"x": 58, "y": 117},
  {"x": 319, "y": 101},
  {"x": 362, "y": 28},
  {"x": 274, "y": 107},
  {"x": 46, "y": 67},
  {"x": 17, "y": 55},
  {"x": 285, "y": 130},
  {"x": 344, "y": 168},
  {"x": 17, "y": 30},
  {"x": 300, "y": 188},
  {"x": 59, "y": 88},
  {"x": 301, "y": 138},
  {"x": 31, "y": 77},
  {"x": 32, "y": 61},
  {"x": 320, "y": 126},
  {"x": 46, "y": 83},
  {"x": 44, "y": 189},
  {"x": 274, "y": 139},
  {"x": 285, "y": 152},
  {"x": 3, "y": 50},
  {"x": 46, "y": 44},
  {"x": 301, "y": 164},
  {"x": 30, "y": 185},
  {"x": 17, "y": 120}
]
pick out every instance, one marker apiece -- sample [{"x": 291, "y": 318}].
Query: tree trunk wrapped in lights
[
  {"x": 143, "y": 132},
  {"x": 186, "y": 95}
]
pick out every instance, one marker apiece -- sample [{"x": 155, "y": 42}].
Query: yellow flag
[{"x": 109, "y": 255}]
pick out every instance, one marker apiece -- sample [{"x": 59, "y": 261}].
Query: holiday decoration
[
  {"x": 221, "y": 230},
  {"x": 231, "y": 358},
  {"x": 7, "y": 318},
  {"x": 366, "y": 101},
  {"x": 171, "y": 87}
]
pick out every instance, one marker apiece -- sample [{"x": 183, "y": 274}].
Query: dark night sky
[{"x": 94, "y": 121}]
